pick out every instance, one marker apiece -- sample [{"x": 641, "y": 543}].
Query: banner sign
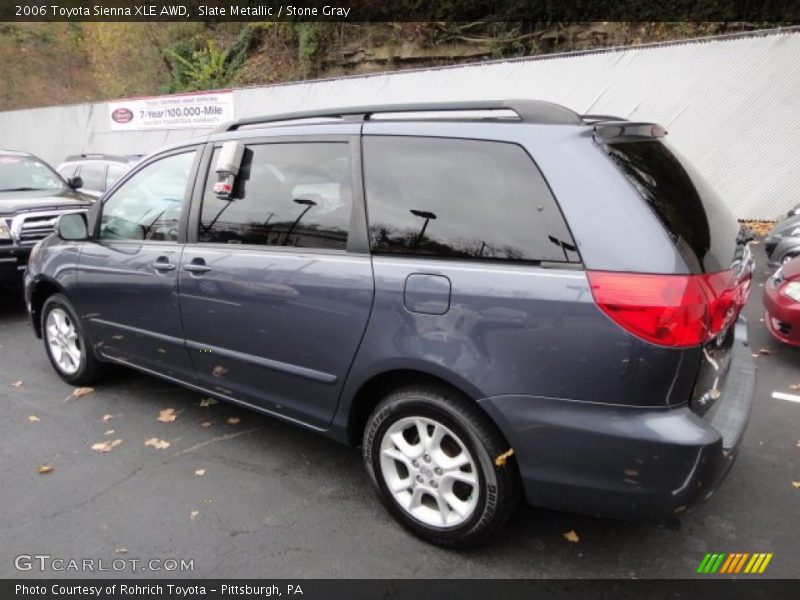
[{"x": 180, "y": 111}]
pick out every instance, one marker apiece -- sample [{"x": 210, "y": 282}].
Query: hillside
[{"x": 62, "y": 63}]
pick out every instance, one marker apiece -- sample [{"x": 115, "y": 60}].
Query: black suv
[
  {"x": 493, "y": 299},
  {"x": 32, "y": 197}
]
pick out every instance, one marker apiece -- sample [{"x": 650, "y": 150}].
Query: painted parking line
[{"x": 789, "y": 397}]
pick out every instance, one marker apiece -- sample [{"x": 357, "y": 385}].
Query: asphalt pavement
[{"x": 242, "y": 495}]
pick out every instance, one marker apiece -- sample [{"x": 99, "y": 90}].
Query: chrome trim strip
[
  {"x": 266, "y": 362},
  {"x": 275, "y": 365}
]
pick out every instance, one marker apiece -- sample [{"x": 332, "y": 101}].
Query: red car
[{"x": 782, "y": 303}]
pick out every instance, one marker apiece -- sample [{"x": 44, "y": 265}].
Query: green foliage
[
  {"x": 310, "y": 44},
  {"x": 210, "y": 66}
]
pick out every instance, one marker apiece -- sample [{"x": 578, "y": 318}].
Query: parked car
[
  {"x": 97, "y": 171},
  {"x": 493, "y": 299},
  {"x": 32, "y": 197},
  {"x": 794, "y": 211},
  {"x": 782, "y": 243},
  {"x": 782, "y": 303}
]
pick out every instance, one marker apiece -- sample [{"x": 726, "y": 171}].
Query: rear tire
[
  {"x": 430, "y": 454},
  {"x": 67, "y": 346}
]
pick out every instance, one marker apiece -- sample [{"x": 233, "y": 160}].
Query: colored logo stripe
[{"x": 734, "y": 563}]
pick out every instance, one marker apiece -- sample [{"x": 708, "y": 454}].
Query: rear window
[
  {"x": 461, "y": 199},
  {"x": 696, "y": 219}
]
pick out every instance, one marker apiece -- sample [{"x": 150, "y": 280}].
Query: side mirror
[
  {"x": 72, "y": 227},
  {"x": 75, "y": 182}
]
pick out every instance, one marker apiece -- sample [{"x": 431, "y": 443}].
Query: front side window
[
  {"x": 148, "y": 205},
  {"x": 461, "y": 199},
  {"x": 296, "y": 194}
]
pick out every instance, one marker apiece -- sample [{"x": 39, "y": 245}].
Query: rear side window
[
  {"x": 296, "y": 195},
  {"x": 114, "y": 172},
  {"x": 702, "y": 227},
  {"x": 461, "y": 199},
  {"x": 93, "y": 176}
]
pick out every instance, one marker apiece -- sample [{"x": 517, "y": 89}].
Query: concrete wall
[{"x": 731, "y": 104}]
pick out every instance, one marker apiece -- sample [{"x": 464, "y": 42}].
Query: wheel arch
[
  {"x": 371, "y": 391},
  {"x": 41, "y": 290}
]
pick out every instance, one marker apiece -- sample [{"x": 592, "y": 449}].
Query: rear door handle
[{"x": 198, "y": 265}]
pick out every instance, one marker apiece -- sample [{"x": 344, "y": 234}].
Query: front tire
[
  {"x": 430, "y": 454},
  {"x": 66, "y": 344}
]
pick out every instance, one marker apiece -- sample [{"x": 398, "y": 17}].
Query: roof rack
[
  {"x": 100, "y": 156},
  {"x": 528, "y": 111}
]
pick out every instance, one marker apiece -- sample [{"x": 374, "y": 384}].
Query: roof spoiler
[{"x": 606, "y": 132}]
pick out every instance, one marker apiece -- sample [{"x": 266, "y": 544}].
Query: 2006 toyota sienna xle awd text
[{"x": 493, "y": 299}]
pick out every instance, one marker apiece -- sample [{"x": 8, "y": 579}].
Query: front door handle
[
  {"x": 197, "y": 266},
  {"x": 163, "y": 264}
]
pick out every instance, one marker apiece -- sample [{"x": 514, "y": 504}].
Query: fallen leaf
[
  {"x": 157, "y": 443},
  {"x": 798, "y": 443},
  {"x": 107, "y": 418},
  {"x": 121, "y": 551},
  {"x": 571, "y": 536},
  {"x": 207, "y": 402},
  {"x": 82, "y": 391},
  {"x": 193, "y": 514},
  {"x": 44, "y": 470},
  {"x": 167, "y": 415},
  {"x": 503, "y": 458},
  {"x": 796, "y": 485},
  {"x": 631, "y": 472},
  {"x": 200, "y": 472},
  {"x": 764, "y": 351},
  {"x": 795, "y": 386},
  {"x": 234, "y": 421},
  {"x": 33, "y": 419},
  {"x": 206, "y": 424},
  {"x": 106, "y": 446},
  {"x": 109, "y": 432},
  {"x": 219, "y": 371},
  {"x": 17, "y": 383}
]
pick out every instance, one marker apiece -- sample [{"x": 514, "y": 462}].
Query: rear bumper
[{"x": 625, "y": 462}]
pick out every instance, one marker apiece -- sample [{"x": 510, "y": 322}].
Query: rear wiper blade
[{"x": 24, "y": 189}]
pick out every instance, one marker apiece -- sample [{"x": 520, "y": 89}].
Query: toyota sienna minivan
[{"x": 494, "y": 300}]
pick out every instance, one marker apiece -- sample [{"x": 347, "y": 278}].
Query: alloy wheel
[
  {"x": 429, "y": 471},
  {"x": 63, "y": 340}
]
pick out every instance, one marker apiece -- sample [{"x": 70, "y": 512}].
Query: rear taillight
[{"x": 669, "y": 310}]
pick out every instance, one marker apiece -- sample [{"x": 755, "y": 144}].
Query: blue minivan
[{"x": 494, "y": 300}]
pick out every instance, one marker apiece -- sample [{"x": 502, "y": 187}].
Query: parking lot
[{"x": 243, "y": 495}]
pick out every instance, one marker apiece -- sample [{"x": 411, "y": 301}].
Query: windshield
[{"x": 24, "y": 173}]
